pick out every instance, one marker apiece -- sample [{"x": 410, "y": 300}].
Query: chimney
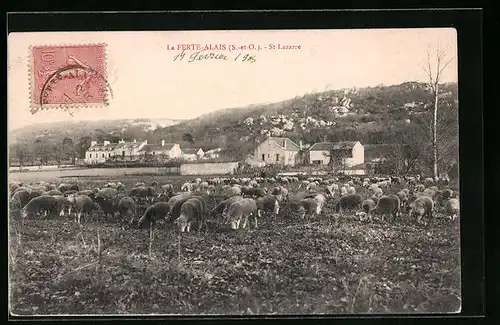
[
  {"x": 162, "y": 143},
  {"x": 145, "y": 141},
  {"x": 106, "y": 143},
  {"x": 300, "y": 144},
  {"x": 135, "y": 140},
  {"x": 324, "y": 138},
  {"x": 93, "y": 143},
  {"x": 284, "y": 144}
]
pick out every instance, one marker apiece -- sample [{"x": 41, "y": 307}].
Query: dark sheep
[
  {"x": 307, "y": 207},
  {"x": 20, "y": 199},
  {"x": 193, "y": 210},
  {"x": 268, "y": 203},
  {"x": 126, "y": 207},
  {"x": 387, "y": 204},
  {"x": 422, "y": 207},
  {"x": 157, "y": 211},
  {"x": 348, "y": 202},
  {"x": 47, "y": 204}
]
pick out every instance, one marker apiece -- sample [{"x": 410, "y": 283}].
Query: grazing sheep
[
  {"x": 81, "y": 204},
  {"x": 423, "y": 206},
  {"x": 223, "y": 205},
  {"x": 308, "y": 207},
  {"x": 241, "y": 210},
  {"x": 157, "y": 211},
  {"x": 368, "y": 205},
  {"x": 268, "y": 203},
  {"x": 176, "y": 204},
  {"x": 126, "y": 207},
  {"x": 348, "y": 202},
  {"x": 387, "y": 204},
  {"x": 257, "y": 192},
  {"x": 46, "y": 204},
  {"x": 452, "y": 208},
  {"x": 191, "y": 210},
  {"x": 20, "y": 199},
  {"x": 281, "y": 193}
]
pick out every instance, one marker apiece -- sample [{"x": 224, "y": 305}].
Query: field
[{"x": 286, "y": 266}]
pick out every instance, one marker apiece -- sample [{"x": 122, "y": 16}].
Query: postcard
[{"x": 235, "y": 172}]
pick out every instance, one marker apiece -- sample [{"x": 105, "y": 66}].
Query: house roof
[
  {"x": 101, "y": 147},
  {"x": 290, "y": 145},
  {"x": 322, "y": 146},
  {"x": 128, "y": 145},
  {"x": 157, "y": 147}
]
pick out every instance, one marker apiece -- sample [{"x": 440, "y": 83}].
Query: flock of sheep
[{"x": 239, "y": 202}]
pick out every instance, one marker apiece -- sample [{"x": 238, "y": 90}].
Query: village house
[
  {"x": 163, "y": 151},
  {"x": 192, "y": 154},
  {"x": 346, "y": 154},
  {"x": 128, "y": 150},
  {"x": 281, "y": 151},
  {"x": 212, "y": 153},
  {"x": 99, "y": 153}
]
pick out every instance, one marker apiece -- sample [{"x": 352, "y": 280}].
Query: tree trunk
[{"x": 434, "y": 133}]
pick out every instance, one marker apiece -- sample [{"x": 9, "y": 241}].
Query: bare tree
[{"x": 434, "y": 77}]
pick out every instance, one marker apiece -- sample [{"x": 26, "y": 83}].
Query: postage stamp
[{"x": 68, "y": 76}]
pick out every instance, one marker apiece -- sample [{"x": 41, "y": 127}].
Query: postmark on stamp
[{"x": 66, "y": 76}]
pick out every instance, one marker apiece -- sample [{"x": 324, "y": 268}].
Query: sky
[{"x": 147, "y": 83}]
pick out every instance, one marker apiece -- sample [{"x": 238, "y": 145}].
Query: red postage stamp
[{"x": 68, "y": 76}]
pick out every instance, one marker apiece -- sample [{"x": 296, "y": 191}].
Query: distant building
[
  {"x": 163, "y": 151},
  {"x": 347, "y": 153},
  {"x": 192, "y": 154},
  {"x": 281, "y": 151},
  {"x": 99, "y": 153},
  {"x": 128, "y": 150}
]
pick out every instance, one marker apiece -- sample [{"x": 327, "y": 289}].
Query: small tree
[
  {"x": 434, "y": 78},
  {"x": 68, "y": 150}
]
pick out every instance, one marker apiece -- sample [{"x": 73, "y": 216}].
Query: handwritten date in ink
[
  {"x": 211, "y": 56},
  {"x": 245, "y": 58}
]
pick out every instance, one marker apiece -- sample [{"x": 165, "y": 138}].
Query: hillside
[
  {"x": 127, "y": 128},
  {"x": 371, "y": 115},
  {"x": 382, "y": 114}
]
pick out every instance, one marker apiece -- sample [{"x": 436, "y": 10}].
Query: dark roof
[
  {"x": 290, "y": 145},
  {"x": 125, "y": 145},
  {"x": 101, "y": 147},
  {"x": 158, "y": 147},
  {"x": 322, "y": 146}
]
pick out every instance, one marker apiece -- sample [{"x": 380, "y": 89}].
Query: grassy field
[{"x": 286, "y": 266}]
